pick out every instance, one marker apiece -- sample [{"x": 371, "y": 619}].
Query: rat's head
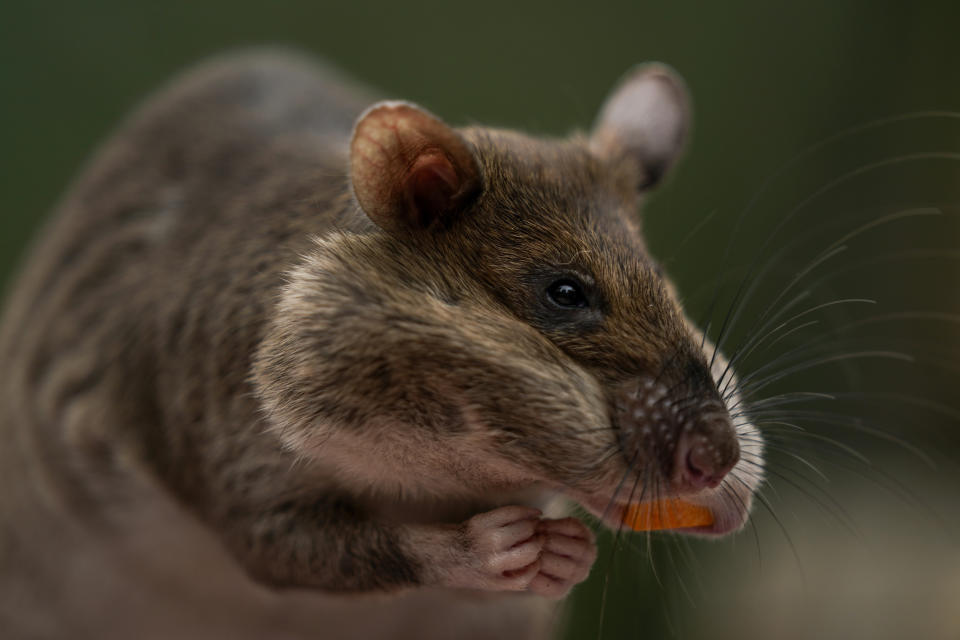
[
  {"x": 544, "y": 235},
  {"x": 549, "y": 231}
]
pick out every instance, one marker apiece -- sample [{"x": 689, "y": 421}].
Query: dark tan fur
[{"x": 214, "y": 348}]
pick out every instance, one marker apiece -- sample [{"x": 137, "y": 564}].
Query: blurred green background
[{"x": 871, "y": 551}]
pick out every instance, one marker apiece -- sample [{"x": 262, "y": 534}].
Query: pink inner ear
[
  {"x": 409, "y": 169},
  {"x": 431, "y": 185}
]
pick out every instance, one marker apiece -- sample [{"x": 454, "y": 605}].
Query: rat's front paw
[
  {"x": 500, "y": 550},
  {"x": 568, "y": 553}
]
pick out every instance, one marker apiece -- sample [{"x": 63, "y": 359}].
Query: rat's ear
[
  {"x": 646, "y": 118},
  {"x": 410, "y": 170}
]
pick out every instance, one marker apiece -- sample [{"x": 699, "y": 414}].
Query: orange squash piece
[{"x": 671, "y": 513}]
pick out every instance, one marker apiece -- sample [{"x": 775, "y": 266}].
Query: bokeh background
[{"x": 795, "y": 123}]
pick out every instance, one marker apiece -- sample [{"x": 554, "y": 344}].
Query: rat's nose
[
  {"x": 705, "y": 454},
  {"x": 686, "y": 433}
]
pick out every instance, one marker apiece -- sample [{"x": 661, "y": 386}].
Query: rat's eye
[{"x": 567, "y": 293}]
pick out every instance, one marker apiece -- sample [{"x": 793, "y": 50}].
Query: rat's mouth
[
  {"x": 689, "y": 468},
  {"x": 725, "y": 516}
]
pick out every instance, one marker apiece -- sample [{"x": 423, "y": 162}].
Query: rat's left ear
[
  {"x": 646, "y": 118},
  {"x": 410, "y": 171}
]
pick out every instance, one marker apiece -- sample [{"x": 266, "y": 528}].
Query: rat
[{"x": 334, "y": 348}]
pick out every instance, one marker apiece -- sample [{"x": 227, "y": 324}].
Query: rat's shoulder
[
  {"x": 279, "y": 89},
  {"x": 268, "y": 123},
  {"x": 256, "y": 108}
]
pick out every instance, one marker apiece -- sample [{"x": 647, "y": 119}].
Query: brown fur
[{"x": 213, "y": 329}]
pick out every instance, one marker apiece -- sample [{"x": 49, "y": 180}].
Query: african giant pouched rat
[{"x": 361, "y": 349}]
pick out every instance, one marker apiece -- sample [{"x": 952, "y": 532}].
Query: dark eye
[{"x": 567, "y": 293}]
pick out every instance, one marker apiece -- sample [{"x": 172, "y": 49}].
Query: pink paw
[
  {"x": 515, "y": 549},
  {"x": 502, "y": 550},
  {"x": 569, "y": 550}
]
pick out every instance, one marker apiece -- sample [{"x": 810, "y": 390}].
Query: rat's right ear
[
  {"x": 646, "y": 118},
  {"x": 410, "y": 170}
]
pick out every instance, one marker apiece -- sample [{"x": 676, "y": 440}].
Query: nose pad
[{"x": 705, "y": 455}]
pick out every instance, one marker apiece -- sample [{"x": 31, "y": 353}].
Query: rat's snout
[
  {"x": 685, "y": 433},
  {"x": 707, "y": 449}
]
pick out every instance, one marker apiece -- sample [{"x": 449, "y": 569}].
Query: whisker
[
  {"x": 751, "y": 345},
  {"x": 897, "y": 315},
  {"x": 739, "y": 298},
  {"x": 617, "y": 533},
  {"x": 755, "y": 283},
  {"x": 800, "y": 433},
  {"x": 893, "y": 256},
  {"x": 731, "y": 496},
  {"x": 854, "y": 423},
  {"x": 781, "y": 399},
  {"x": 793, "y": 549},
  {"x": 696, "y": 229},
  {"x": 762, "y": 383},
  {"x": 832, "y": 250}
]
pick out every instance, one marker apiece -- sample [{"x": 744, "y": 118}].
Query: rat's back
[{"x": 91, "y": 546}]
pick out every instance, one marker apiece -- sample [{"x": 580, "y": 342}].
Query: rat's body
[{"x": 218, "y": 364}]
